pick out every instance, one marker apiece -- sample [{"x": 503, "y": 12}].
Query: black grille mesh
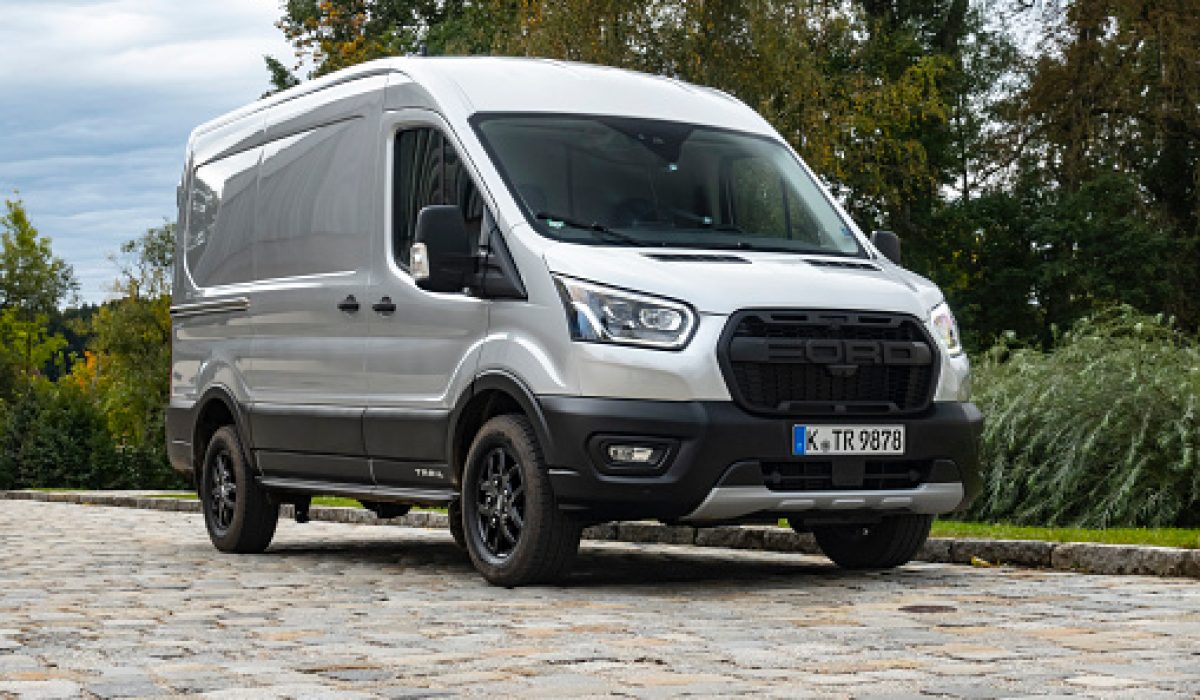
[
  {"x": 879, "y": 475},
  {"x": 787, "y": 385}
]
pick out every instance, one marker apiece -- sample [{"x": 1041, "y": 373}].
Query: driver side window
[{"x": 428, "y": 171}]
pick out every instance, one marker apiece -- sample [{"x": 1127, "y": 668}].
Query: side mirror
[
  {"x": 888, "y": 243},
  {"x": 442, "y": 259}
]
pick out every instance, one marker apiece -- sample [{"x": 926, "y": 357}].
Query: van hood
[{"x": 722, "y": 282}]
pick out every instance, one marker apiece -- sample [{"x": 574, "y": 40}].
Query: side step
[{"x": 392, "y": 494}]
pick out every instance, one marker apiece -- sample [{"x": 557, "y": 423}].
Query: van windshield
[{"x": 641, "y": 182}]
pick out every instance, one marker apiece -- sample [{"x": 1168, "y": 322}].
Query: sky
[{"x": 96, "y": 102}]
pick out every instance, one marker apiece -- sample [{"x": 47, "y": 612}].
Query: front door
[{"x": 422, "y": 352}]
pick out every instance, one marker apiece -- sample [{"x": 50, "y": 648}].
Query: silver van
[{"x": 545, "y": 295}]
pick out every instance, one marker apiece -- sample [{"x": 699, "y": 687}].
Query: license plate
[{"x": 847, "y": 440}]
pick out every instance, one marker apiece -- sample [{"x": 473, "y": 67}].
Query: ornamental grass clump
[{"x": 1100, "y": 431}]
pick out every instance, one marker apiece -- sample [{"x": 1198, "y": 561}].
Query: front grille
[
  {"x": 871, "y": 475},
  {"x": 828, "y": 363}
]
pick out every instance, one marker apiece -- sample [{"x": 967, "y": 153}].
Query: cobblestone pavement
[{"x": 112, "y": 602}]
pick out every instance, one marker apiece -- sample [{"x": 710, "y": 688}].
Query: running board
[{"x": 362, "y": 492}]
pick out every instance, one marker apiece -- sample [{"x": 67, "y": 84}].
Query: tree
[
  {"x": 32, "y": 283},
  {"x": 32, "y": 279},
  {"x": 281, "y": 77},
  {"x": 334, "y": 34},
  {"x": 130, "y": 353},
  {"x": 1118, "y": 91}
]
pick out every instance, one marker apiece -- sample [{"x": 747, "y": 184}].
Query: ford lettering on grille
[{"x": 828, "y": 363}]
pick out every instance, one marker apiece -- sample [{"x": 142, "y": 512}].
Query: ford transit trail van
[{"x": 544, "y": 295}]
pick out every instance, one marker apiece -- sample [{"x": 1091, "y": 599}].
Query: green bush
[
  {"x": 56, "y": 436},
  {"x": 1101, "y": 431}
]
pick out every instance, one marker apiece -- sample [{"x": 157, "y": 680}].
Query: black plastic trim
[
  {"x": 405, "y": 434},
  {"x": 302, "y": 465},
  {"x": 713, "y": 437},
  {"x": 307, "y": 428}
]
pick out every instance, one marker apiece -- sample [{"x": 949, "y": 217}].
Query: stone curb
[{"x": 1078, "y": 557}]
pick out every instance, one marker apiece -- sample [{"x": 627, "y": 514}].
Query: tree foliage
[
  {"x": 32, "y": 279},
  {"x": 100, "y": 425},
  {"x": 32, "y": 283}
]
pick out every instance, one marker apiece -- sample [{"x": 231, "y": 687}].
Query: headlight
[
  {"x": 943, "y": 322},
  {"x": 605, "y": 315}
]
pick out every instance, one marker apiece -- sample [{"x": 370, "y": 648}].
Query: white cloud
[{"x": 97, "y": 99}]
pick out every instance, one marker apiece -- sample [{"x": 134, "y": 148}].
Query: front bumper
[{"x": 712, "y": 471}]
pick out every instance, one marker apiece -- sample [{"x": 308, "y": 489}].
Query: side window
[
  {"x": 221, "y": 214},
  {"x": 315, "y": 201},
  {"x": 428, "y": 171}
]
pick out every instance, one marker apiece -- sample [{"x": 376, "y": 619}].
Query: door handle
[
  {"x": 385, "y": 306},
  {"x": 349, "y": 304}
]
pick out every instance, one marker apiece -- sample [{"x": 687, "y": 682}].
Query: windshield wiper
[{"x": 600, "y": 229}]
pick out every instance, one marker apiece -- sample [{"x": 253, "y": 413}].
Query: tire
[
  {"x": 514, "y": 531},
  {"x": 455, "y": 517},
  {"x": 889, "y": 543},
  {"x": 237, "y": 511}
]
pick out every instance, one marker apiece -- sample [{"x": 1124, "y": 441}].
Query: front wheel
[
  {"x": 891, "y": 542},
  {"x": 237, "y": 511},
  {"x": 513, "y": 528}
]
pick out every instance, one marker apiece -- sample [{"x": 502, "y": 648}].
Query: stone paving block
[
  {"x": 654, "y": 533},
  {"x": 124, "y": 689},
  {"x": 1191, "y": 564},
  {"x": 40, "y": 690},
  {"x": 1010, "y": 552},
  {"x": 936, "y": 549},
  {"x": 1122, "y": 559},
  {"x": 731, "y": 537},
  {"x": 784, "y": 540},
  {"x": 603, "y": 531}
]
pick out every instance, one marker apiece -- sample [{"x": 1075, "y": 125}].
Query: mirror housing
[
  {"x": 442, "y": 259},
  {"x": 888, "y": 243}
]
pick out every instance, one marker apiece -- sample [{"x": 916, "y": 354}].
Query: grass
[
  {"x": 1153, "y": 536},
  {"x": 1158, "y": 536}
]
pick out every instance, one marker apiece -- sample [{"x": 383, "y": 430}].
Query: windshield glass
[{"x": 641, "y": 182}]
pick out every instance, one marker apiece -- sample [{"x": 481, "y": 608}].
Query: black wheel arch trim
[
  {"x": 222, "y": 394},
  {"x": 510, "y": 385}
]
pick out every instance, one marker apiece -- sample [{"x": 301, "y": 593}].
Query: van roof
[{"x": 463, "y": 86}]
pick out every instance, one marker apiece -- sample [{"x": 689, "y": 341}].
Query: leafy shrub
[
  {"x": 1100, "y": 431},
  {"x": 57, "y": 435}
]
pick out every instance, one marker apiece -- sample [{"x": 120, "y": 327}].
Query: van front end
[{"x": 818, "y": 416}]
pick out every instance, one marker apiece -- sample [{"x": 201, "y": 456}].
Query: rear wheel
[
  {"x": 891, "y": 542},
  {"x": 513, "y": 528},
  {"x": 239, "y": 515}
]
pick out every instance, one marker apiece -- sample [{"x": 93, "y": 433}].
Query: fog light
[{"x": 632, "y": 454}]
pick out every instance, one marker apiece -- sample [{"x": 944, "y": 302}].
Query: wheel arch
[
  {"x": 217, "y": 408},
  {"x": 493, "y": 393}
]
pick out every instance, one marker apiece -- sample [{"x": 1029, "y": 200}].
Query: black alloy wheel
[
  {"x": 514, "y": 530},
  {"x": 500, "y": 502},
  {"x": 222, "y": 493},
  {"x": 239, "y": 514}
]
